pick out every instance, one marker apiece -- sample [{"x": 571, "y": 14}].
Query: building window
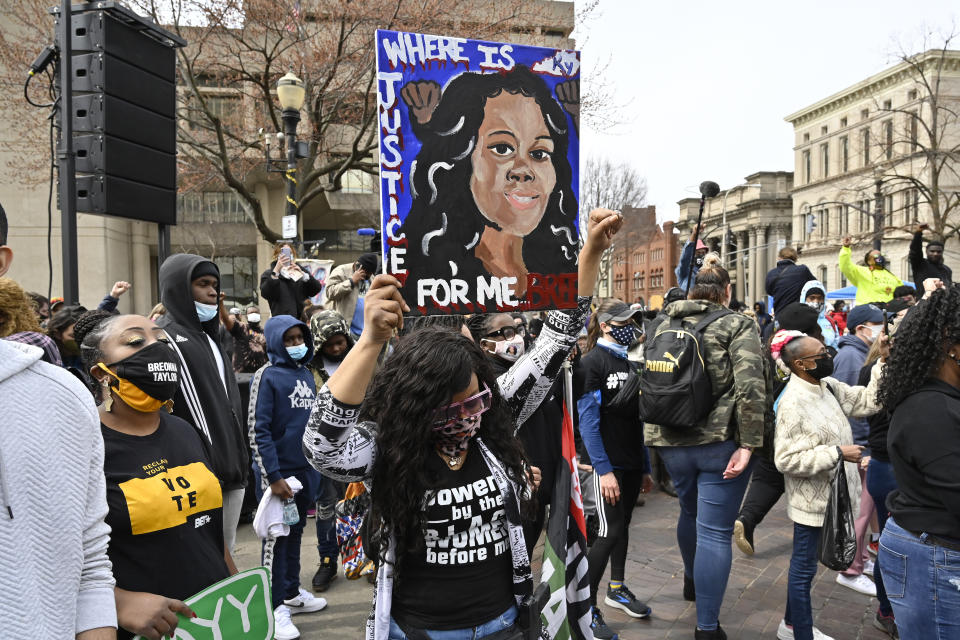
[
  {"x": 865, "y": 146},
  {"x": 843, "y": 122},
  {"x": 912, "y": 94},
  {"x": 888, "y": 210},
  {"x": 887, "y": 105},
  {"x": 823, "y": 277},
  {"x": 824, "y": 223},
  {"x": 805, "y": 160},
  {"x": 864, "y": 114},
  {"x": 912, "y": 206},
  {"x": 888, "y": 138},
  {"x": 210, "y": 207},
  {"x": 865, "y": 216},
  {"x": 844, "y": 154},
  {"x": 842, "y": 220},
  {"x": 806, "y": 137},
  {"x": 637, "y": 282},
  {"x": 914, "y": 123},
  {"x": 823, "y": 130},
  {"x": 238, "y": 278},
  {"x": 825, "y": 160}
]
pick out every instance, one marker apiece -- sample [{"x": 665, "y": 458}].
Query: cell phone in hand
[{"x": 286, "y": 252}]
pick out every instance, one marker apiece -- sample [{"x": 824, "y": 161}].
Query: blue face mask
[
  {"x": 205, "y": 311},
  {"x": 297, "y": 352},
  {"x": 622, "y": 335}
]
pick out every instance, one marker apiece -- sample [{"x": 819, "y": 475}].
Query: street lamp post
[
  {"x": 290, "y": 93},
  {"x": 878, "y": 216}
]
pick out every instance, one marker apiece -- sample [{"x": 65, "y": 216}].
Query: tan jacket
[
  {"x": 341, "y": 294},
  {"x": 811, "y": 424}
]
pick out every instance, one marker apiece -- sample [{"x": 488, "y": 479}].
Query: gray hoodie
[{"x": 54, "y": 501}]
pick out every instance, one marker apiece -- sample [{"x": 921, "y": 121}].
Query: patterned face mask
[
  {"x": 622, "y": 335},
  {"x": 453, "y": 437}
]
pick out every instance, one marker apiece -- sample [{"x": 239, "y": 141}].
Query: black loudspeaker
[{"x": 124, "y": 113}]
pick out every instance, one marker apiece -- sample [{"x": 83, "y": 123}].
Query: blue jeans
[
  {"x": 803, "y": 568},
  {"x": 708, "y": 508},
  {"x": 923, "y": 584},
  {"x": 880, "y": 482},
  {"x": 499, "y": 623},
  {"x": 326, "y": 499}
]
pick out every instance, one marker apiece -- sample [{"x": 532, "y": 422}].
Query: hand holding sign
[
  {"x": 383, "y": 309},
  {"x": 148, "y": 614},
  {"x": 238, "y": 608}
]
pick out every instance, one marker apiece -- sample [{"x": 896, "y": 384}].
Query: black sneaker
[
  {"x": 326, "y": 574},
  {"x": 743, "y": 536},
  {"x": 623, "y": 599},
  {"x": 689, "y": 589},
  {"x": 600, "y": 629},
  {"x": 716, "y": 634}
]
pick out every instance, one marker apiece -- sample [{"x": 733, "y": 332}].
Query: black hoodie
[{"x": 201, "y": 399}]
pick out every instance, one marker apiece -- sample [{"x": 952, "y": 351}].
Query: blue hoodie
[
  {"x": 846, "y": 368},
  {"x": 281, "y": 397},
  {"x": 830, "y": 337}
]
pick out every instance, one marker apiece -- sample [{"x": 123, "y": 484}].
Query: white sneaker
[
  {"x": 860, "y": 584},
  {"x": 305, "y": 602},
  {"x": 283, "y": 627},
  {"x": 868, "y": 568},
  {"x": 786, "y": 633}
]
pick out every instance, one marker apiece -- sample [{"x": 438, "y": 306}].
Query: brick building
[{"x": 644, "y": 257}]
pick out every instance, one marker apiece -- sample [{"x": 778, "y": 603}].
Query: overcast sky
[{"x": 707, "y": 84}]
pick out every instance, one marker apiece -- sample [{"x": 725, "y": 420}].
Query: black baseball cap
[
  {"x": 620, "y": 312},
  {"x": 798, "y": 316}
]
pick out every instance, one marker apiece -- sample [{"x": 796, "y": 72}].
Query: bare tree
[
  {"x": 614, "y": 185},
  {"x": 227, "y": 75},
  {"x": 915, "y": 151}
]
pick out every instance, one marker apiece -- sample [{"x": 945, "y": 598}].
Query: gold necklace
[{"x": 452, "y": 461}]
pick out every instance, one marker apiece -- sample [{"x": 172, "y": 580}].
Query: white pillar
[
  {"x": 742, "y": 286},
  {"x": 752, "y": 275}
]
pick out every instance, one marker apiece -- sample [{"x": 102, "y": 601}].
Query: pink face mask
[{"x": 455, "y": 424}]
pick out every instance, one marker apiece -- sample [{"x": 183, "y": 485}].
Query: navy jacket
[
  {"x": 785, "y": 282},
  {"x": 281, "y": 397}
]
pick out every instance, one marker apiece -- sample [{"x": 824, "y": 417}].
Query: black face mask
[
  {"x": 153, "y": 370},
  {"x": 823, "y": 369},
  {"x": 880, "y": 261},
  {"x": 698, "y": 261}
]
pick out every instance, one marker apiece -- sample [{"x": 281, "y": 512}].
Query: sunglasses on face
[
  {"x": 473, "y": 406},
  {"x": 507, "y": 333}
]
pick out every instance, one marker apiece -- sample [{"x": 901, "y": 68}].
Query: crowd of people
[{"x": 159, "y": 433}]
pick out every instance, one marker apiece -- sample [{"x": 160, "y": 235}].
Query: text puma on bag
[{"x": 675, "y": 390}]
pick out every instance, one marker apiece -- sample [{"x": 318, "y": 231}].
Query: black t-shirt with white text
[
  {"x": 462, "y": 577},
  {"x": 165, "y": 511}
]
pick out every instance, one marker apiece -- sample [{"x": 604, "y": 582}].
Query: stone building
[
  {"x": 755, "y": 218},
  {"x": 211, "y": 219},
  {"x": 859, "y": 148},
  {"x": 643, "y": 258}
]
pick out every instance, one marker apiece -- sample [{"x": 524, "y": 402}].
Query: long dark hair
[
  {"x": 423, "y": 374},
  {"x": 919, "y": 346},
  {"x": 440, "y": 181}
]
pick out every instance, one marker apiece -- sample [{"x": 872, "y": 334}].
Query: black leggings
[
  {"x": 766, "y": 487},
  {"x": 611, "y": 544}
]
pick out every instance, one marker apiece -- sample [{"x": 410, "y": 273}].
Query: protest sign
[
  {"x": 237, "y": 608},
  {"x": 319, "y": 269},
  {"x": 479, "y": 172}
]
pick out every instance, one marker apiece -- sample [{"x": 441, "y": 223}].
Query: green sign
[{"x": 238, "y": 608}]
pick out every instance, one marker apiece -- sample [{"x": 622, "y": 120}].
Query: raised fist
[
  {"x": 422, "y": 97},
  {"x": 568, "y": 93}
]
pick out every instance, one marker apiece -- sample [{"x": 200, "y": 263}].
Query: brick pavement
[{"x": 752, "y": 607}]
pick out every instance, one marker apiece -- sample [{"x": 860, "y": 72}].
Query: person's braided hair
[
  {"x": 920, "y": 345},
  {"x": 89, "y": 331}
]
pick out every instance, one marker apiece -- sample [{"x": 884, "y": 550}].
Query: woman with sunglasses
[
  {"x": 812, "y": 436},
  {"x": 431, "y": 432}
]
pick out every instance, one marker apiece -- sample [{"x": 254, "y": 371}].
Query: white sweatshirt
[
  {"x": 55, "y": 575},
  {"x": 811, "y": 424}
]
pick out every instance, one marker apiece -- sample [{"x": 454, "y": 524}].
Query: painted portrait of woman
[{"x": 491, "y": 184}]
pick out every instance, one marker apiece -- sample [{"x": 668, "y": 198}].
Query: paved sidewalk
[{"x": 752, "y": 608}]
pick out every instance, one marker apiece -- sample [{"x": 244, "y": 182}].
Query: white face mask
[
  {"x": 253, "y": 318},
  {"x": 874, "y": 331},
  {"x": 509, "y": 350},
  {"x": 816, "y": 305}
]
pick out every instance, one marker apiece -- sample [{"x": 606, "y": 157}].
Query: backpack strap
[{"x": 716, "y": 315}]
